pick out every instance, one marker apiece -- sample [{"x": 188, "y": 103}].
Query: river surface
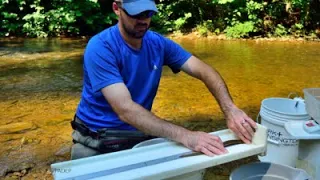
[{"x": 41, "y": 81}]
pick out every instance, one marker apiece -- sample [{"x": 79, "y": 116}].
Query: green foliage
[
  {"x": 161, "y": 21},
  {"x": 171, "y": 18},
  {"x": 222, "y": 1},
  {"x": 180, "y": 22},
  {"x": 280, "y": 30},
  {"x": 254, "y": 10},
  {"x": 240, "y": 30},
  {"x": 35, "y": 23},
  {"x": 60, "y": 21},
  {"x": 297, "y": 30},
  {"x": 42, "y": 18},
  {"x": 7, "y": 22},
  {"x": 206, "y": 27},
  {"x": 236, "y": 18},
  {"x": 10, "y": 16}
]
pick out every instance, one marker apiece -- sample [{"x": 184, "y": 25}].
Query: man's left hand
[{"x": 241, "y": 124}]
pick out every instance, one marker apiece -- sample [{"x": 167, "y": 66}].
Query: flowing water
[{"x": 41, "y": 81}]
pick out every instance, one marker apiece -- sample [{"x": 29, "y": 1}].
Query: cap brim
[{"x": 137, "y": 7}]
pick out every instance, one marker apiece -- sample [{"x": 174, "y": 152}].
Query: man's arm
[
  {"x": 132, "y": 113},
  {"x": 237, "y": 120}
]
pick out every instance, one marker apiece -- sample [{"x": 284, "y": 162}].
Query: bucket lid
[{"x": 285, "y": 106}]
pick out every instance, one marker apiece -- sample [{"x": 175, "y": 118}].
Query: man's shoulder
[
  {"x": 152, "y": 35},
  {"x": 103, "y": 39},
  {"x": 105, "y": 35},
  {"x": 108, "y": 33},
  {"x": 156, "y": 39}
]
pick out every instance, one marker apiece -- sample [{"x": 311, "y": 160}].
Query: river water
[{"x": 41, "y": 81}]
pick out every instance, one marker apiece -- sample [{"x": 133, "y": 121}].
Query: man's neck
[{"x": 132, "y": 42}]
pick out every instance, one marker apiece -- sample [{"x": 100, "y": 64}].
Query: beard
[{"x": 138, "y": 31}]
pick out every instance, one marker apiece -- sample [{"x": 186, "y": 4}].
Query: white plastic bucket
[
  {"x": 282, "y": 148},
  {"x": 268, "y": 171},
  {"x": 196, "y": 175}
]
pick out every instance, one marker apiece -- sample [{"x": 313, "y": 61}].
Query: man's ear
[{"x": 116, "y": 8}]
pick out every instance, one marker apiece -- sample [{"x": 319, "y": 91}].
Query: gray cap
[{"x": 134, "y": 7}]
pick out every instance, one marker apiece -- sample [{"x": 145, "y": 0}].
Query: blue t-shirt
[{"x": 109, "y": 60}]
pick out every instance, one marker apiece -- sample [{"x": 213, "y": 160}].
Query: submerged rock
[
  {"x": 22, "y": 166},
  {"x": 19, "y": 169},
  {"x": 11, "y": 137},
  {"x": 17, "y": 161},
  {"x": 3, "y": 170},
  {"x": 16, "y": 127},
  {"x": 64, "y": 151},
  {"x": 17, "y": 174}
]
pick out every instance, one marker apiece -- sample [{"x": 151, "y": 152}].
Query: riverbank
[
  {"x": 211, "y": 36},
  {"x": 191, "y": 36}
]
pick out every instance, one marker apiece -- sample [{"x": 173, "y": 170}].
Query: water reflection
[
  {"x": 41, "y": 45},
  {"x": 40, "y": 83},
  {"x": 41, "y": 65},
  {"x": 253, "y": 71}
]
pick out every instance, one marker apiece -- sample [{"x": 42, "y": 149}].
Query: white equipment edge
[
  {"x": 81, "y": 167},
  {"x": 296, "y": 130}
]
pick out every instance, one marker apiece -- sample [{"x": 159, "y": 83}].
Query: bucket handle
[
  {"x": 293, "y": 93},
  {"x": 257, "y": 119},
  {"x": 273, "y": 141}
]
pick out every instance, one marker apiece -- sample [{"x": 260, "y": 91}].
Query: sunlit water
[{"x": 41, "y": 80}]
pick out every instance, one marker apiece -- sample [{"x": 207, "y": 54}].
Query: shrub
[
  {"x": 240, "y": 30},
  {"x": 280, "y": 30},
  {"x": 205, "y": 27}
]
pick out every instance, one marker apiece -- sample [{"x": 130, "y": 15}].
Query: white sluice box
[{"x": 159, "y": 161}]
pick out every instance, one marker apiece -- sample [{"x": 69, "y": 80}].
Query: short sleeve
[
  {"x": 101, "y": 65},
  {"x": 174, "y": 55}
]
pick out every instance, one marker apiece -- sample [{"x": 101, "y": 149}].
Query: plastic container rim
[{"x": 262, "y": 105}]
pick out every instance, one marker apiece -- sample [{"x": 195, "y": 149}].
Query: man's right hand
[{"x": 203, "y": 142}]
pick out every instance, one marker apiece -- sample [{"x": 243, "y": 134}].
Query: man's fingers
[
  {"x": 252, "y": 123},
  {"x": 206, "y": 143},
  {"x": 248, "y": 128},
  {"x": 210, "y": 145},
  {"x": 217, "y": 142},
  {"x": 241, "y": 124},
  {"x": 207, "y": 152},
  {"x": 214, "y": 149},
  {"x": 216, "y": 139},
  {"x": 244, "y": 139},
  {"x": 215, "y": 146},
  {"x": 243, "y": 131}
]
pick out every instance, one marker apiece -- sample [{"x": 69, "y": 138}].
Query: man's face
[{"x": 135, "y": 26}]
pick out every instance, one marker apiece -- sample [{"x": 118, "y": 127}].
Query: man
[{"x": 122, "y": 70}]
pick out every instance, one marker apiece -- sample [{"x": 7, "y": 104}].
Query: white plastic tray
[
  {"x": 91, "y": 168},
  {"x": 296, "y": 130}
]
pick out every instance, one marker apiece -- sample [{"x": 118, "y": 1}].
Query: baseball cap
[{"x": 134, "y": 7}]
